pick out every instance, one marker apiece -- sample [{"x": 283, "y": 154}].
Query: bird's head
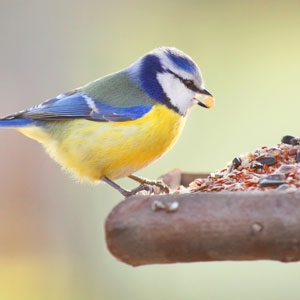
[{"x": 171, "y": 77}]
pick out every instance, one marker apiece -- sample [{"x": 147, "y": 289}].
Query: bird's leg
[
  {"x": 125, "y": 193},
  {"x": 163, "y": 188}
]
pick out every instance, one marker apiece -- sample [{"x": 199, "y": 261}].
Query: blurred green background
[{"x": 52, "y": 242}]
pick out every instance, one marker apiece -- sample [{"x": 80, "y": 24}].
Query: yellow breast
[{"x": 113, "y": 149}]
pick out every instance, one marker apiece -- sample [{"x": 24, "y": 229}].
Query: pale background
[{"x": 51, "y": 228}]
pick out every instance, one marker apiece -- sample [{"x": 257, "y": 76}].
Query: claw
[
  {"x": 153, "y": 187},
  {"x": 140, "y": 188},
  {"x": 161, "y": 187},
  {"x": 157, "y": 188}
]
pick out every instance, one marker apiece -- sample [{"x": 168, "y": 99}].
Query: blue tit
[{"x": 120, "y": 123}]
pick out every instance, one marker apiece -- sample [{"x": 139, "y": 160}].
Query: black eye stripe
[{"x": 188, "y": 83}]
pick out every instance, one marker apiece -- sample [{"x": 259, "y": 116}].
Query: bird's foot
[
  {"x": 142, "y": 187},
  {"x": 158, "y": 187},
  {"x": 150, "y": 186}
]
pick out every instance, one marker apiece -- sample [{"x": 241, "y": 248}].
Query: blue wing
[{"x": 76, "y": 105}]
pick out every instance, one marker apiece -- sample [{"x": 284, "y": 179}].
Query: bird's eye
[{"x": 189, "y": 83}]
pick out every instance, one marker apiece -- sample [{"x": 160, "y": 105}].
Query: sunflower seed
[
  {"x": 272, "y": 180},
  {"x": 267, "y": 160}
]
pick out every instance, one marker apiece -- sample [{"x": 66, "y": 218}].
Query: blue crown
[{"x": 181, "y": 60}]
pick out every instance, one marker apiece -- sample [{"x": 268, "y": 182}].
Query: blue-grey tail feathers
[{"x": 15, "y": 123}]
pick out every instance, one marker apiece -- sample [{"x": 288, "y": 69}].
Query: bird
[{"x": 120, "y": 123}]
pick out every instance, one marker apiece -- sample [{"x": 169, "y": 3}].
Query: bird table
[{"x": 249, "y": 210}]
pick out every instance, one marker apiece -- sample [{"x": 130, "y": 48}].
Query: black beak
[
  {"x": 205, "y": 92},
  {"x": 205, "y": 99}
]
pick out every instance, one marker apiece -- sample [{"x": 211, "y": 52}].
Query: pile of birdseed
[{"x": 274, "y": 168}]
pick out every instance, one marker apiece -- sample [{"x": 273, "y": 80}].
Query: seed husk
[
  {"x": 272, "y": 180},
  {"x": 267, "y": 160},
  {"x": 287, "y": 139}
]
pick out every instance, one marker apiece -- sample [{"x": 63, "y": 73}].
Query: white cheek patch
[{"x": 180, "y": 96}]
